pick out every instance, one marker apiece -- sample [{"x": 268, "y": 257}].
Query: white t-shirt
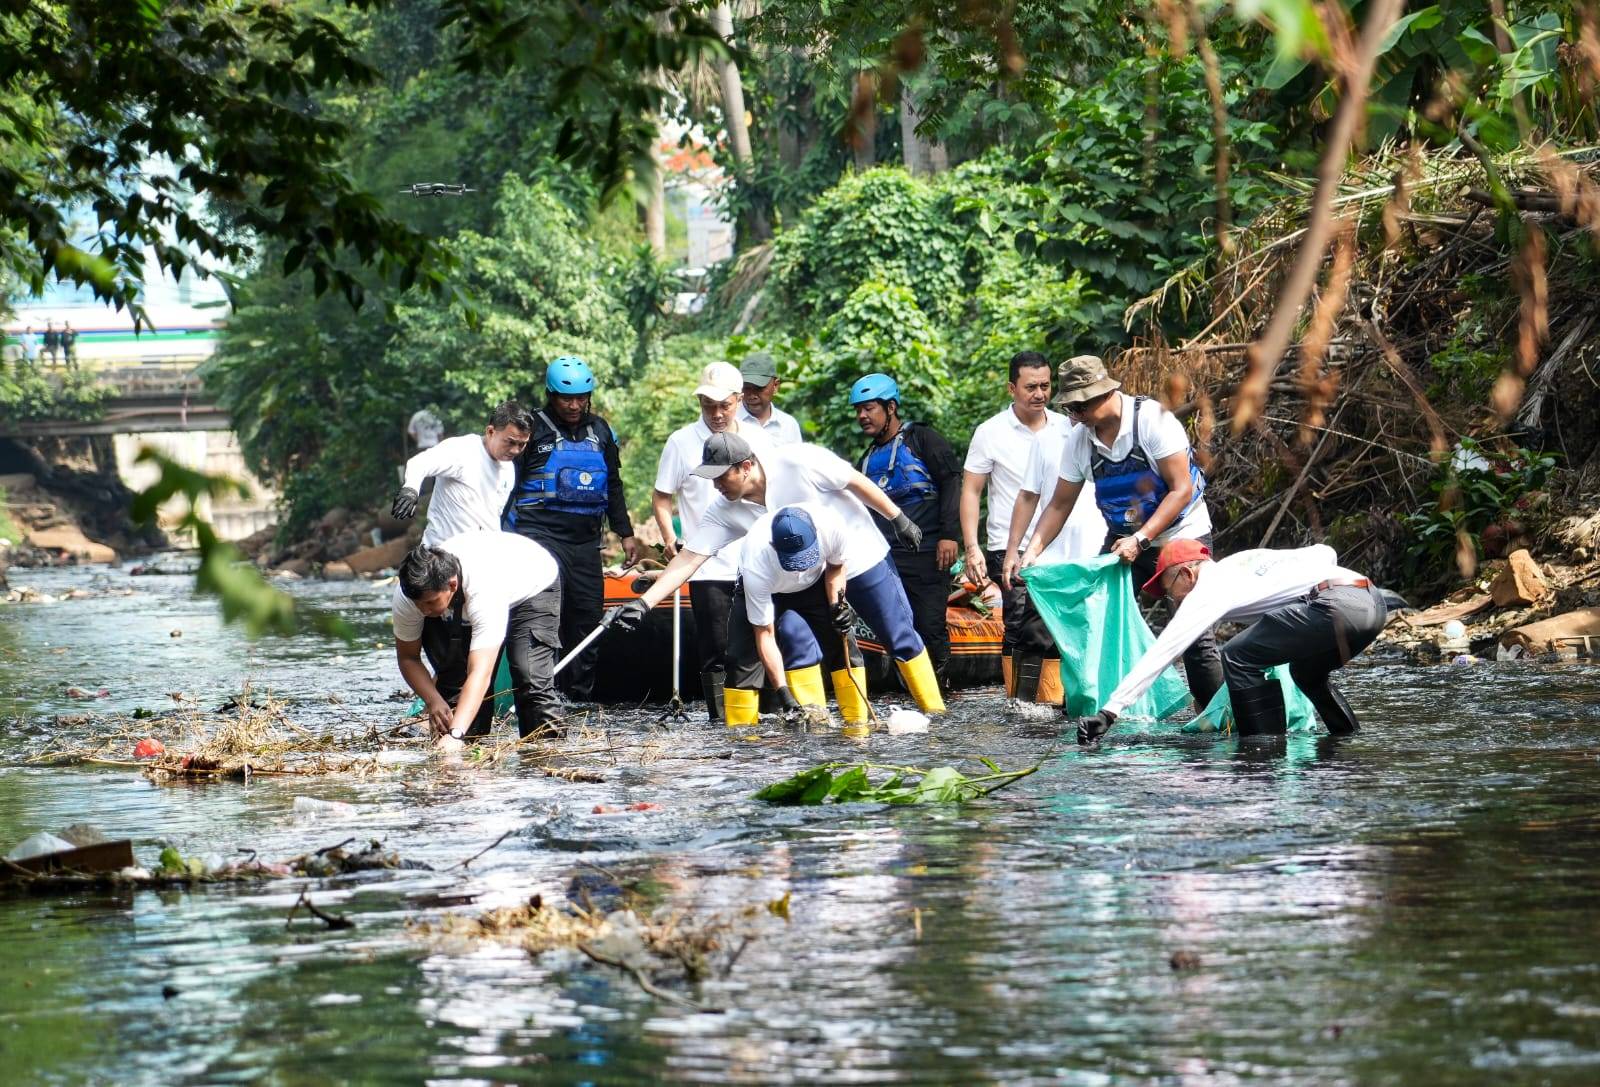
[
  {"x": 837, "y": 544},
  {"x": 470, "y": 491},
  {"x": 425, "y": 429},
  {"x": 1161, "y": 434},
  {"x": 675, "y": 475},
  {"x": 1085, "y": 530},
  {"x": 1237, "y": 589},
  {"x": 798, "y": 474},
  {"x": 781, "y": 428},
  {"x": 999, "y": 450},
  {"x": 499, "y": 570}
]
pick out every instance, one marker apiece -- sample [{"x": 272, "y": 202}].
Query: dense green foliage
[{"x": 28, "y": 393}]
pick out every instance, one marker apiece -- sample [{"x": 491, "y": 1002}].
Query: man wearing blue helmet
[
  {"x": 914, "y": 465},
  {"x": 569, "y": 482}
]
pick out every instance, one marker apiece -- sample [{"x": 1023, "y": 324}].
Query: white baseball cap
[{"x": 719, "y": 381}]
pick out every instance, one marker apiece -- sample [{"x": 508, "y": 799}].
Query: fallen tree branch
[{"x": 1265, "y": 354}]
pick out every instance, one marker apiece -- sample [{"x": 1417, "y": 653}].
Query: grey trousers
[{"x": 1313, "y": 636}]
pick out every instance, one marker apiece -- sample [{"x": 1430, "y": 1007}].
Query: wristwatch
[{"x": 1142, "y": 540}]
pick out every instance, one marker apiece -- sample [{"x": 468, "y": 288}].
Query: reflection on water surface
[{"x": 1415, "y": 905}]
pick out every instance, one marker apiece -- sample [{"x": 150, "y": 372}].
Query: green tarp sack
[
  {"x": 501, "y": 686},
  {"x": 1090, "y": 609}
]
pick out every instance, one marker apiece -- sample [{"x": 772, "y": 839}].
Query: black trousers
[
  {"x": 583, "y": 595},
  {"x": 927, "y": 588},
  {"x": 1026, "y": 635},
  {"x": 712, "y": 603},
  {"x": 1202, "y": 663},
  {"x": 1313, "y": 636},
  {"x": 531, "y": 645}
]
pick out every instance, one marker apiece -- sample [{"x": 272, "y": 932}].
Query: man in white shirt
[
  {"x": 462, "y": 603},
  {"x": 805, "y": 575},
  {"x": 1308, "y": 612},
  {"x": 425, "y": 430},
  {"x": 759, "y": 373},
  {"x": 751, "y": 481},
  {"x": 474, "y": 475},
  {"x": 997, "y": 458},
  {"x": 711, "y": 587},
  {"x": 1149, "y": 490}
]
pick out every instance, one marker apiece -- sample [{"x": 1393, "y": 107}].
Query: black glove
[
  {"x": 844, "y": 617},
  {"x": 1090, "y": 729},
  {"x": 789, "y": 707},
  {"x": 405, "y": 504},
  {"x": 906, "y": 531},
  {"x": 627, "y": 616}
]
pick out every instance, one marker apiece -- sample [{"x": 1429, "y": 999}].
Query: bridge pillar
[{"x": 215, "y": 452}]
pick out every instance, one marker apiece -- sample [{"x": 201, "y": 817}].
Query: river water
[{"x": 1417, "y": 904}]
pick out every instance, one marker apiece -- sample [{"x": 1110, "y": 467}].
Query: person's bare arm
[
  {"x": 1052, "y": 519},
  {"x": 1174, "y": 471},
  {"x": 972, "y": 484},
  {"x": 480, "y": 674},
  {"x": 771, "y": 656},
  {"x": 678, "y": 571},
  {"x": 1021, "y": 516},
  {"x": 661, "y": 508},
  {"x": 409, "y": 656},
  {"x": 833, "y": 582}
]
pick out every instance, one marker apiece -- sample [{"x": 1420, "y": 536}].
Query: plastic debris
[
  {"x": 903, "y": 721},
  {"x": 149, "y": 748},
  {"x": 79, "y": 692},
  {"x": 310, "y": 805},
  {"x": 38, "y": 845}
]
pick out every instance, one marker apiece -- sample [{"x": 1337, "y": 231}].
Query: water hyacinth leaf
[
  {"x": 791, "y": 791},
  {"x": 853, "y": 784}
]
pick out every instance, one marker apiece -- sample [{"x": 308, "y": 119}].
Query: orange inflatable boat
[{"x": 636, "y": 666}]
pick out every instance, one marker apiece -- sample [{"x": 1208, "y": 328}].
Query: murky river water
[{"x": 1417, "y": 905}]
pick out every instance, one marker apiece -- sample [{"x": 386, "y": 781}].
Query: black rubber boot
[
  {"x": 1028, "y": 670},
  {"x": 711, "y": 684},
  {"x": 1258, "y": 711},
  {"x": 1335, "y": 712}
]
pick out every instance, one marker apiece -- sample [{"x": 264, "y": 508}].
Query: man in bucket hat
[
  {"x": 1304, "y": 610},
  {"x": 1146, "y": 483}
]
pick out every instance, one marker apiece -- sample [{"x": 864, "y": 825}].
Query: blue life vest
[
  {"x": 574, "y": 479},
  {"x": 899, "y": 472},
  {"x": 1129, "y": 490}
]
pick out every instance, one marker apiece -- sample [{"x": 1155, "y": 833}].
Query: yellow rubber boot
[
  {"x": 1050, "y": 689},
  {"x": 921, "y": 681},
  {"x": 1008, "y": 675},
  {"x": 741, "y": 706},
  {"x": 849, "y": 687},
  {"x": 806, "y": 683}
]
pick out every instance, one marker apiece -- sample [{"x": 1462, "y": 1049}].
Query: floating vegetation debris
[
  {"x": 843, "y": 783},
  {"x": 665, "y": 944}
]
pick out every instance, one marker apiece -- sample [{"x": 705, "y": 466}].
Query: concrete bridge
[{"x": 157, "y": 397}]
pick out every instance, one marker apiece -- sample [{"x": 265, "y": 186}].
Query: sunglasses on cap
[{"x": 1078, "y": 407}]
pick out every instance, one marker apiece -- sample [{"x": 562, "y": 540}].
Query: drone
[{"x": 437, "y": 188}]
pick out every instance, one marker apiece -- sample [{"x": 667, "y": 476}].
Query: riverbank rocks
[
  {"x": 338, "y": 571},
  {"x": 386, "y": 556},
  {"x": 1521, "y": 582},
  {"x": 70, "y": 539}
]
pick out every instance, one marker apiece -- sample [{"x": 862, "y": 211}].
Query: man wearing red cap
[{"x": 1304, "y": 610}]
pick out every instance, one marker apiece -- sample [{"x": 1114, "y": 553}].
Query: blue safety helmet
[
  {"x": 874, "y": 387},
  {"x": 569, "y": 376}
]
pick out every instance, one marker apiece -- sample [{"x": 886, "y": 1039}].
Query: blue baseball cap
[{"x": 794, "y": 538}]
